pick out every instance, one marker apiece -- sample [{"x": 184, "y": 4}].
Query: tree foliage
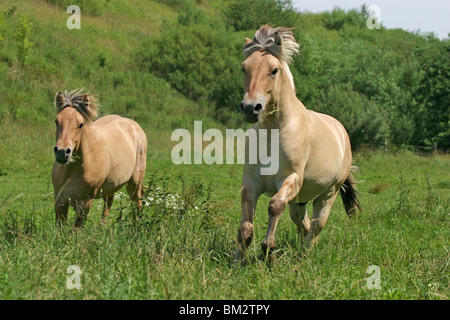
[
  {"x": 250, "y": 14},
  {"x": 199, "y": 62},
  {"x": 433, "y": 95}
]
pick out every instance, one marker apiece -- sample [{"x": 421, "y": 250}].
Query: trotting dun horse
[
  {"x": 94, "y": 159},
  {"x": 315, "y": 158}
]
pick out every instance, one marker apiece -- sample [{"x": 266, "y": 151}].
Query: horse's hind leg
[
  {"x": 107, "y": 203},
  {"x": 321, "y": 210},
  {"x": 135, "y": 185},
  {"x": 134, "y": 189},
  {"x": 299, "y": 216}
]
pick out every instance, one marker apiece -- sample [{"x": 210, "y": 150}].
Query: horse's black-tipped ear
[
  {"x": 86, "y": 100},
  {"x": 59, "y": 100},
  {"x": 90, "y": 106},
  {"x": 247, "y": 42},
  {"x": 87, "y": 104},
  {"x": 278, "y": 40}
]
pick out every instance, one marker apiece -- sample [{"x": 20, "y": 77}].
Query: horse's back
[
  {"x": 116, "y": 128},
  {"x": 113, "y": 122}
]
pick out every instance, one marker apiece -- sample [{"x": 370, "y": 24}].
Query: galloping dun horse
[
  {"x": 94, "y": 159},
  {"x": 315, "y": 157}
]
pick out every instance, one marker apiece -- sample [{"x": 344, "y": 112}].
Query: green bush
[
  {"x": 432, "y": 122},
  {"x": 190, "y": 14},
  {"x": 250, "y": 15},
  {"x": 198, "y": 61},
  {"x": 362, "y": 118},
  {"x": 23, "y": 39},
  {"x": 338, "y": 18}
]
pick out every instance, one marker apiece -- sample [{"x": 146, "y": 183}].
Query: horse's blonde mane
[
  {"x": 85, "y": 103},
  {"x": 265, "y": 39}
]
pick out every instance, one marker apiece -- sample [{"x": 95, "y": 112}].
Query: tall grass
[{"x": 182, "y": 246}]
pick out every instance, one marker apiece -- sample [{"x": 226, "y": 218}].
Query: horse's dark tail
[{"x": 349, "y": 194}]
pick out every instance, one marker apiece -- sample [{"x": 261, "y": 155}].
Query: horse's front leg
[
  {"x": 82, "y": 208},
  {"x": 249, "y": 198},
  {"x": 61, "y": 210},
  {"x": 288, "y": 191}
]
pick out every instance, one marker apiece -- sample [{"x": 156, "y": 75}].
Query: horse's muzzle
[
  {"x": 62, "y": 155},
  {"x": 251, "y": 112}
]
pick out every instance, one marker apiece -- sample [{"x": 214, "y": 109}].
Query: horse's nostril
[
  {"x": 242, "y": 107},
  {"x": 55, "y": 149},
  {"x": 68, "y": 151},
  {"x": 258, "y": 107}
]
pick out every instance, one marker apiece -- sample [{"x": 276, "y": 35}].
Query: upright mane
[
  {"x": 278, "y": 41},
  {"x": 85, "y": 103}
]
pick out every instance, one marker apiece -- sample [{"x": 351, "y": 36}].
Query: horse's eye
[
  {"x": 56, "y": 122},
  {"x": 243, "y": 70},
  {"x": 80, "y": 126},
  {"x": 274, "y": 72}
]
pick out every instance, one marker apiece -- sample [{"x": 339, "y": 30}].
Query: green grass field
[{"x": 183, "y": 244}]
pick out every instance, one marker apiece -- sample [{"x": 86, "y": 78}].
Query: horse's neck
[
  {"x": 288, "y": 74},
  {"x": 88, "y": 144},
  {"x": 287, "y": 106}
]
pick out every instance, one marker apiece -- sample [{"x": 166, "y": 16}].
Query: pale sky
[{"x": 411, "y": 15}]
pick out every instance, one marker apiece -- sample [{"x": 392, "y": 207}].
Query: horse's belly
[
  {"x": 309, "y": 191},
  {"x": 116, "y": 180},
  {"x": 108, "y": 189},
  {"x": 270, "y": 190},
  {"x": 272, "y": 184}
]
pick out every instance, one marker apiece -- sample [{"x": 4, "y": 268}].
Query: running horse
[
  {"x": 94, "y": 159},
  {"x": 315, "y": 157}
]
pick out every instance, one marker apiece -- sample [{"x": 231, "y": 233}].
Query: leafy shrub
[
  {"x": 173, "y": 3},
  {"x": 250, "y": 15},
  {"x": 23, "y": 39},
  {"x": 361, "y": 117},
  {"x": 192, "y": 14},
  {"x": 198, "y": 61},
  {"x": 338, "y": 18},
  {"x": 432, "y": 123}
]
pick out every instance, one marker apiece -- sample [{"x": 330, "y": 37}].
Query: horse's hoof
[{"x": 268, "y": 251}]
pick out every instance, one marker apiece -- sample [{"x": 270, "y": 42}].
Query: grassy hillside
[
  {"x": 169, "y": 63},
  {"x": 172, "y": 57},
  {"x": 99, "y": 57}
]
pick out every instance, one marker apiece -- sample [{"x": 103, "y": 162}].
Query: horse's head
[
  {"x": 260, "y": 75},
  {"x": 267, "y": 56},
  {"x": 73, "y": 111}
]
